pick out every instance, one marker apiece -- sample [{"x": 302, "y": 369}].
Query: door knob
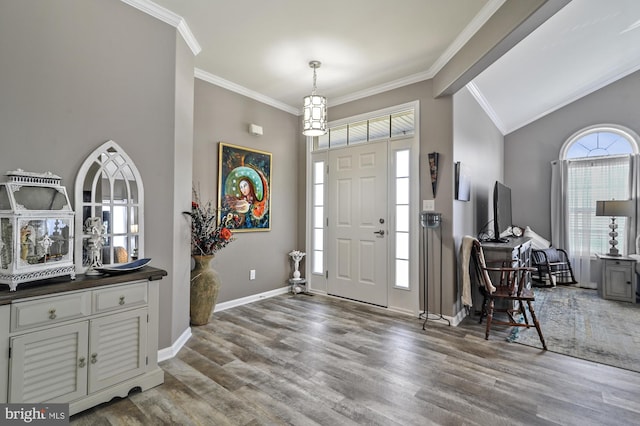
[{"x": 380, "y": 232}]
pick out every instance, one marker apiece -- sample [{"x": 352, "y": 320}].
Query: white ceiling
[{"x": 262, "y": 49}]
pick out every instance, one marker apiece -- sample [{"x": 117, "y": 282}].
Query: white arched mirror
[{"x": 109, "y": 187}]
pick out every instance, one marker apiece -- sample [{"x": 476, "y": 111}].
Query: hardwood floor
[{"x": 306, "y": 360}]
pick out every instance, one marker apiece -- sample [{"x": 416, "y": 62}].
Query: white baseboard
[
  {"x": 250, "y": 299},
  {"x": 170, "y": 352},
  {"x": 458, "y": 318}
]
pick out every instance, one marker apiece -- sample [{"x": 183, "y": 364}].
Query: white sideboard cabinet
[{"x": 81, "y": 342}]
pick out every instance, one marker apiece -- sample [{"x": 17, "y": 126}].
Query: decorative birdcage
[{"x": 36, "y": 228}]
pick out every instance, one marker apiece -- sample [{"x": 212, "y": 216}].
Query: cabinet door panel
[
  {"x": 117, "y": 348},
  {"x": 618, "y": 281},
  {"x": 48, "y": 366}
]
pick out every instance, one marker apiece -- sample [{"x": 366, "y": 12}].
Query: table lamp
[{"x": 613, "y": 209}]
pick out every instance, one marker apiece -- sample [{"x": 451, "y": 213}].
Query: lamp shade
[
  {"x": 613, "y": 208},
  {"x": 314, "y": 115}
]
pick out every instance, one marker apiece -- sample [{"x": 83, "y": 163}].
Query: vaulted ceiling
[
  {"x": 262, "y": 49},
  {"x": 587, "y": 45}
]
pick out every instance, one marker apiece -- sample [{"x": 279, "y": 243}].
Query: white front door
[{"x": 357, "y": 230}]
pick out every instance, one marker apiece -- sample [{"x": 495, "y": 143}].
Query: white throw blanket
[{"x": 465, "y": 256}]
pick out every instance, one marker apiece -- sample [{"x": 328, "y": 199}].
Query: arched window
[{"x": 599, "y": 162}]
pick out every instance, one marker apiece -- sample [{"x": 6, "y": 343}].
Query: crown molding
[
  {"x": 229, "y": 85},
  {"x": 188, "y": 37},
  {"x": 405, "y": 81},
  {"x": 478, "y": 21},
  {"x": 168, "y": 17},
  {"x": 486, "y": 106}
]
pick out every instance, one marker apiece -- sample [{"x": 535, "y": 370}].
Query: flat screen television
[{"x": 501, "y": 211}]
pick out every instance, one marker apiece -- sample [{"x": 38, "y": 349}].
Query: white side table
[{"x": 618, "y": 278}]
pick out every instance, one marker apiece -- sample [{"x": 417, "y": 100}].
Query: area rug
[{"x": 579, "y": 323}]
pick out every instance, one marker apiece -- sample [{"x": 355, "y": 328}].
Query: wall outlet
[
  {"x": 252, "y": 274},
  {"x": 428, "y": 205}
]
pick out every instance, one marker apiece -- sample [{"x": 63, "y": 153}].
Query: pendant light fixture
[{"x": 314, "y": 109}]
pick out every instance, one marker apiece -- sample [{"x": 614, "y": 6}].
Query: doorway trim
[{"x": 404, "y": 300}]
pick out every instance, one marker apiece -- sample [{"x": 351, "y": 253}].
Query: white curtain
[
  {"x": 559, "y": 211},
  {"x": 577, "y": 245},
  {"x": 634, "y": 186}
]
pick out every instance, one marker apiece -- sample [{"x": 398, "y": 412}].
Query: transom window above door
[{"x": 386, "y": 126}]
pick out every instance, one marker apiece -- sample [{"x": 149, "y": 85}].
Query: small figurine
[
  {"x": 26, "y": 240},
  {"x": 96, "y": 230}
]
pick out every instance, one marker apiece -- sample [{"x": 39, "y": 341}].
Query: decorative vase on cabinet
[{"x": 205, "y": 284}]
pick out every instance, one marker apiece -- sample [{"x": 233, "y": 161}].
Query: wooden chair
[{"x": 511, "y": 291}]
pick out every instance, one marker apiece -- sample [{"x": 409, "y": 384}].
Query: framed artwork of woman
[{"x": 244, "y": 192}]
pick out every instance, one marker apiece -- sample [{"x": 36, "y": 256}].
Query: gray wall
[
  {"x": 76, "y": 73},
  {"x": 478, "y": 144},
  {"x": 530, "y": 150},
  {"x": 179, "y": 299},
  {"x": 224, "y": 116}
]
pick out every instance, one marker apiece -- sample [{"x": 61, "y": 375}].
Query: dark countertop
[{"x": 64, "y": 284}]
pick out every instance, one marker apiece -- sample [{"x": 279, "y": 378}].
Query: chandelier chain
[{"x": 313, "y": 92}]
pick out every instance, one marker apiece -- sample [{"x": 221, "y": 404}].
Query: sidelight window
[
  {"x": 318, "y": 218},
  {"x": 402, "y": 215}
]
